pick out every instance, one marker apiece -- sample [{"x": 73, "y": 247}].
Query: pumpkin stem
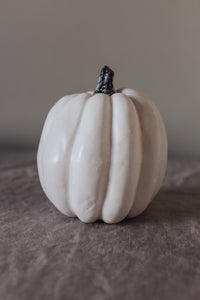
[{"x": 105, "y": 83}]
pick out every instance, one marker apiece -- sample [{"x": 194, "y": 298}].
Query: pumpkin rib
[
  {"x": 89, "y": 172},
  {"x": 154, "y": 109},
  {"x": 67, "y": 169},
  {"x": 43, "y": 150},
  {"x": 125, "y": 155},
  {"x": 142, "y": 151},
  {"x": 42, "y": 145},
  {"x": 147, "y": 114},
  {"x": 67, "y": 112},
  {"x": 164, "y": 154}
]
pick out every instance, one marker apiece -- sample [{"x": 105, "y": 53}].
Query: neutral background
[{"x": 52, "y": 48}]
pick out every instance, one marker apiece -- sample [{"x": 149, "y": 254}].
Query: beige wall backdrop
[{"x": 52, "y": 48}]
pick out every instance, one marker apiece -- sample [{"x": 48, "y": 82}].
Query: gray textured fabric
[{"x": 46, "y": 255}]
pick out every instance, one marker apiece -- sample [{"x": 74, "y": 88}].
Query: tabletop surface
[{"x": 46, "y": 255}]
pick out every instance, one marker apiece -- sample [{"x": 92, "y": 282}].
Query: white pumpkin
[{"x": 102, "y": 155}]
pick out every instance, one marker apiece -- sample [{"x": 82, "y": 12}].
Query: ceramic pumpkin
[{"x": 102, "y": 155}]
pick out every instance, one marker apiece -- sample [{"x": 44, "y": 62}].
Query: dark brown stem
[{"x": 105, "y": 83}]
